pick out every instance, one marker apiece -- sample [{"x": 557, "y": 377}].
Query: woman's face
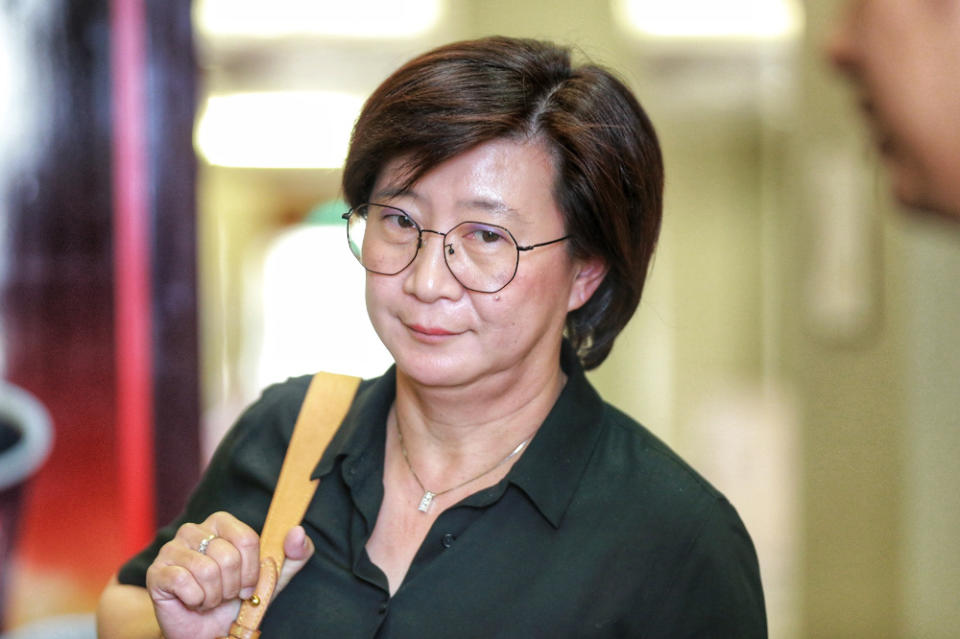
[
  {"x": 440, "y": 333},
  {"x": 902, "y": 56}
]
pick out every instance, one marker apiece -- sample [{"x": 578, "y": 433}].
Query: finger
[
  {"x": 171, "y": 582},
  {"x": 200, "y": 552},
  {"x": 206, "y": 572},
  {"x": 298, "y": 548},
  {"x": 243, "y": 538},
  {"x": 297, "y": 545},
  {"x": 181, "y": 554},
  {"x": 229, "y": 561},
  {"x": 191, "y": 535}
]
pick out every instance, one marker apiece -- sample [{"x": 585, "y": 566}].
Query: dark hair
[{"x": 609, "y": 180}]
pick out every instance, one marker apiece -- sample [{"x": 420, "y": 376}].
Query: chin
[
  {"x": 910, "y": 193},
  {"x": 909, "y": 198},
  {"x": 920, "y": 182},
  {"x": 428, "y": 366},
  {"x": 907, "y": 182},
  {"x": 933, "y": 210},
  {"x": 435, "y": 373}
]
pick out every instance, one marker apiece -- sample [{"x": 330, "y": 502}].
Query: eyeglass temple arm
[{"x": 533, "y": 246}]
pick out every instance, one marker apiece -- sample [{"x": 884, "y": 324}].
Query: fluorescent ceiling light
[
  {"x": 287, "y": 129},
  {"x": 349, "y": 18},
  {"x": 733, "y": 19}
]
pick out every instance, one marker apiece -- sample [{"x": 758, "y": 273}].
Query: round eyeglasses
[{"x": 482, "y": 257}]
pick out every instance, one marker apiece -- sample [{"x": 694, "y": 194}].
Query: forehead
[
  {"x": 503, "y": 177},
  {"x": 870, "y": 11}
]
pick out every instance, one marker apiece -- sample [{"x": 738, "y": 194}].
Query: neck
[{"x": 453, "y": 434}]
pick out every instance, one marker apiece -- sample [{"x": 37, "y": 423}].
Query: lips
[
  {"x": 881, "y": 134},
  {"x": 430, "y": 330}
]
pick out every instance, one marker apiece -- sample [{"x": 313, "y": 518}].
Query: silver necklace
[{"x": 429, "y": 495}]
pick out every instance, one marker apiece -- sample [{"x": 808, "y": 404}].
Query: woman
[{"x": 505, "y": 206}]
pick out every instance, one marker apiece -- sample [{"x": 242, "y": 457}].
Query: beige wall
[{"x": 799, "y": 337}]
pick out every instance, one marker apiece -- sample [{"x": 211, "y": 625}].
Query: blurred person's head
[
  {"x": 606, "y": 162},
  {"x": 903, "y": 57}
]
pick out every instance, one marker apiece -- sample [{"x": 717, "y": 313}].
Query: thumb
[{"x": 298, "y": 548}]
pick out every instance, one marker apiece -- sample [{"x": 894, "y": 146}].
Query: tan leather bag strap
[{"x": 326, "y": 404}]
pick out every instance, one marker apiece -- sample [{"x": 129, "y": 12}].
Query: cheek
[
  {"x": 528, "y": 301},
  {"x": 370, "y": 295},
  {"x": 377, "y": 296},
  {"x": 503, "y": 316},
  {"x": 498, "y": 309}
]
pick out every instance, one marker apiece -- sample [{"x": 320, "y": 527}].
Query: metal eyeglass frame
[{"x": 421, "y": 231}]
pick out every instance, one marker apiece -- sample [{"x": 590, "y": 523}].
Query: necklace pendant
[{"x": 425, "y": 501}]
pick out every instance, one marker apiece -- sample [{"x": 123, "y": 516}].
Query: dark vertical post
[{"x": 171, "y": 101}]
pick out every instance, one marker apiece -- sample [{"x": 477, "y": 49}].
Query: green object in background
[{"x": 329, "y": 213}]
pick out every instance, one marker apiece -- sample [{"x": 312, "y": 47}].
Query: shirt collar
[
  {"x": 549, "y": 471},
  {"x": 361, "y": 436}
]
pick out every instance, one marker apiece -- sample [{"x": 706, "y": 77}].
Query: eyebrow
[
  {"x": 484, "y": 204},
  {"x": 489, "y": 205},
  {"x": 393, "y": 191}
]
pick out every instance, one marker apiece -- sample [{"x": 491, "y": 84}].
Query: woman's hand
[{"x": 197, "y": 586}]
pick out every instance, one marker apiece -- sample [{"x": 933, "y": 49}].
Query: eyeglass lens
[{"x": 482, "y": 257}]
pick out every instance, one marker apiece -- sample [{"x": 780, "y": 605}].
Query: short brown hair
[{"x": 609, "y": 181}]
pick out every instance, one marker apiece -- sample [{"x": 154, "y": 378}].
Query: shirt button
[
  {"x": 447, "y": 540},
  {"x": 383, "y": 608}
]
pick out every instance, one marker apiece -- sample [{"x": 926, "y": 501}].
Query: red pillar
[{"x": 132, "y": 278}]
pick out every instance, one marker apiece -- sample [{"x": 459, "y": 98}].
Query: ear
[{"x": 589, "y": 274}]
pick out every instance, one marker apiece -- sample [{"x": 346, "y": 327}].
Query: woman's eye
[
  {"x": 486, "y": 235},
  {"x": 400, "y": 221}
]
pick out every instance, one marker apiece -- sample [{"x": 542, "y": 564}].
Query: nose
[
  {"x": 840, "y": 44},
  {"x": 428, "y": 277}
]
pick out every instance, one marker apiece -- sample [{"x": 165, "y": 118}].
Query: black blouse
[{"x": 599, "y": 530}]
